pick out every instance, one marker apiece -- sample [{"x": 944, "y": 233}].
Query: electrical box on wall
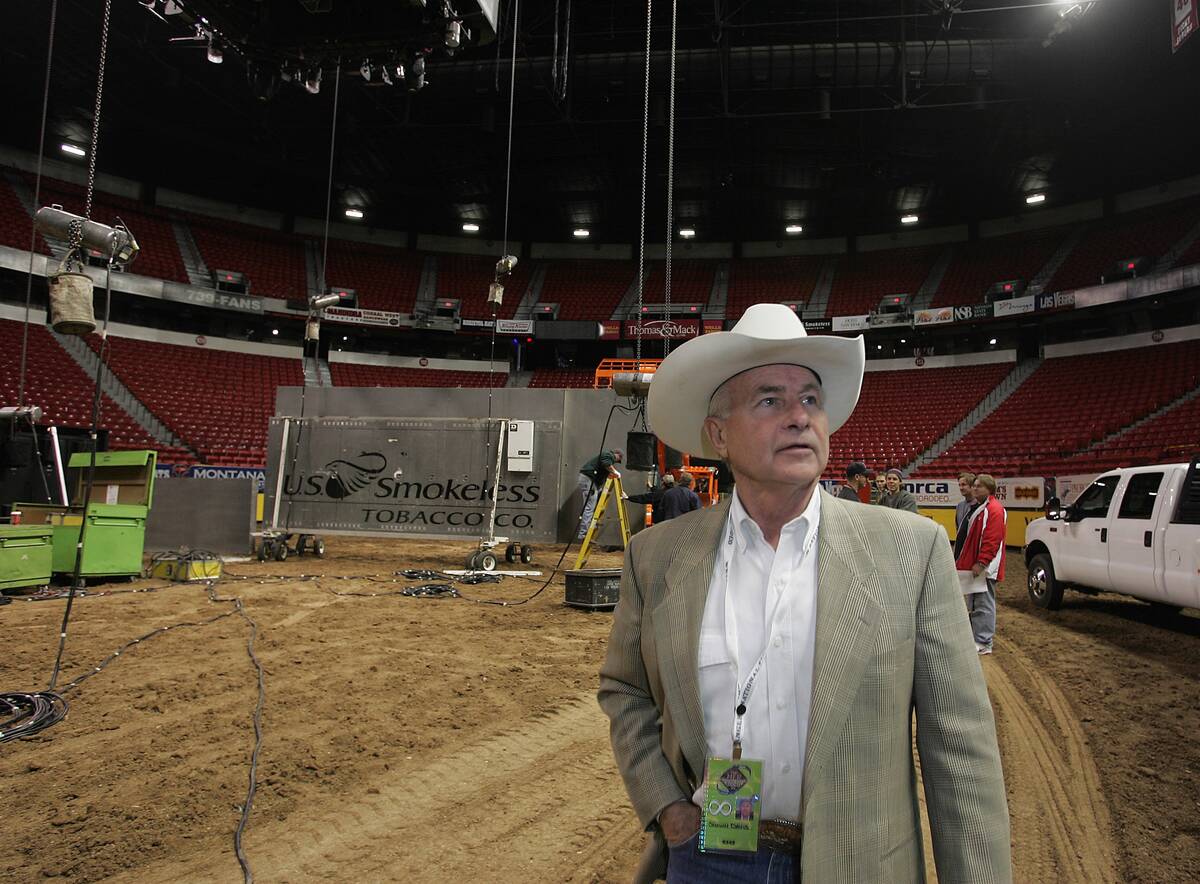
[{"x": 520, "y": 446}]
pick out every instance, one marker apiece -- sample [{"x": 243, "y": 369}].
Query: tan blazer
[{"x": 892, "y": 638}]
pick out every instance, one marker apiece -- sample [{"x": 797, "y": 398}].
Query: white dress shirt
[{"x": 767, "y": 602}]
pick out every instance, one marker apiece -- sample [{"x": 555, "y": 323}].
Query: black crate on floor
[{"x": 593, "y": 588}]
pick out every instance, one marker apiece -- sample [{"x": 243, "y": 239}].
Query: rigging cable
[
  {"x": 670, "y": 179},
  {"x": 37, "y": 197},
  {"x": 641, "y": 280}
]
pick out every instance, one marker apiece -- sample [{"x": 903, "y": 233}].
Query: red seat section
[
  {"x": 561, "y": 378},
  {"x": 1149, "y": 233},
  {"x": 467, "y": 277},
  {"x": 15, "y": 222},
  {"x": 1069, "y": 404},
  {"x": 217, "y": 401},
  {"x": 902, "y": 413},
  {"x": 385, "y": 277},
  {"x": 55, "y": 382},
  {"x": 861, "y": 280},
  {"x": 1168, "y": 438},
  {"x": 771, "y": 281},
  {"x": 158, "y": 254},
  {"x": 691, "y": 282},
  {"x": 976, "y": 266},
  {"x": 587, "y": 289},
  {"x": 349, "y": 374},
  {"x": 272, "y": 261}
]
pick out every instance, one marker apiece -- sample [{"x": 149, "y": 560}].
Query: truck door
[
  {"x": 1134, "y": 546},
  {"x": 1181, "y": 543},
  {"x": 1083, "y": 553}
]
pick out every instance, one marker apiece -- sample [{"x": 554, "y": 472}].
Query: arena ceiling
[{"x": 838, "y": 115}]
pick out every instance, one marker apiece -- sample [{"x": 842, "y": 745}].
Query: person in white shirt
[{"x": 789, "y": 635}]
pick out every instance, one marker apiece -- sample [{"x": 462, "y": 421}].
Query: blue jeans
[
  {"x": 982, "y": 608},
  {"x": 590, "y": 495},
  {"x": 687, "y": 865}
]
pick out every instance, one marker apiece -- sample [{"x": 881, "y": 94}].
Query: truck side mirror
[{"x": 1054, "y": 510}]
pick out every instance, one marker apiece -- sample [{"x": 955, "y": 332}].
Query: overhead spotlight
[
  {"x": 903, "y": 341},
  {"x": 1034, "y": 198},
  {"x": 879, "y": 346},
  {"x": 149, "y": 6},
  {"x": 470, "y": 227},
  {"x": 312, "y": 82},
  {"x": 356, "y": 214},
  {"x": 453, "y": 34},
  {"x": 275, "y": 331},
  {"x": 416, "y": 75},
  {"x": 399, "y": 71},
  {"x": 581, "y": 233},
  {"x": 215, "y": 55},
  {"x": 365, "y": 70},
  {"x": 505, "y": 265},
  {"x": 170, "y": 7},
  {"x": 320, "y": 302},
  {"x": 992, "y": 342},
  {"x": 385, "y": 75},
  {"x": 793, "y": 229},
  {"x": 909, "y": 219},
  {"x": 687, "y": 232},
  {"x": 73, "y": 150}
]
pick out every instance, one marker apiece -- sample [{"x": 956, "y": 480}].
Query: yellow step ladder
[{"x": 612, "y": 490}]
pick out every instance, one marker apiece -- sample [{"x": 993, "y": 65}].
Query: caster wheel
[
  {"x": 318, "y": 548},
  {"x": 302, "y": 544},
  {"x": 487, "y": 561},
  {"x": 264, "y": 550},
  {"x": 473, "y": 561},
  {"x": 281, "y": 551},
  {"x": 510, "y": 553},
  {"x": 526, "y": 554}
]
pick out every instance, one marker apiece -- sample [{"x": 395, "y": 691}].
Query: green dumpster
[
  {"x": 122, "y": 492},
  {"x": 25, "y": 555}
]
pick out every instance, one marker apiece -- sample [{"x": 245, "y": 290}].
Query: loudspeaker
[
  {"x": 674, "y": 459},
  {"x": 640, "y": 451}
]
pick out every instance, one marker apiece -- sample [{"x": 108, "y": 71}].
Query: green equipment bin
[
  {"x": 25, "y": 555},
  {"x": 122, "y": 492}
]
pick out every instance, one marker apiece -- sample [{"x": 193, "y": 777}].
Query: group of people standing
[{"x": 980, "y": 528}]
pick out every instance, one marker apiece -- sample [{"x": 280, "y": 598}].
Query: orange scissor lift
[{"x": 706, "y": 477}]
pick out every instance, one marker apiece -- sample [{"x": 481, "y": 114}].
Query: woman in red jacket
[{"x": 983, "y": 553}]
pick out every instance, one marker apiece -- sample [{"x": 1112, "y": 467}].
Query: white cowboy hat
[{"x": 767, "y": 334}]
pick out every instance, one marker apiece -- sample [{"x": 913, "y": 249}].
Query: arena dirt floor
[{"x": 435, "y": 740}]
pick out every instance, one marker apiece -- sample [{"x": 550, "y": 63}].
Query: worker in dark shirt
[
  {"x": 680, "y": 499},
  {"x": 654, "y": 497}
]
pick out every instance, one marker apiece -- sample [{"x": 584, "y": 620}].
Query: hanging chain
[
  {"x": 670, "y": 178},
  {"x": 76, "y": 235},
  {"x": 512, "y": 93},
  {"x": 641, "y": 271}
]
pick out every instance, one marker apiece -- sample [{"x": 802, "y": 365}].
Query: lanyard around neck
[{"x": 744, "y": 692}]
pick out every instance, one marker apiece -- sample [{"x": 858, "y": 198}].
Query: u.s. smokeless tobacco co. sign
[{"x": 410, "y": 476}]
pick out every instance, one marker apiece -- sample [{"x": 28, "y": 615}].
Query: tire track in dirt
[
  {"x": 1061, "y": 825},
  {"x": 540, "y": 802}
]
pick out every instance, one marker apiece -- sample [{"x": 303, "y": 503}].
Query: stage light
[
  {"x": 384, "y": 75},
  {"x": 365, "y": 70},
  {"x": 453, "y": 34},
  {"x": 505, "y": 265},
  {"x": 793, "y": 229},
  {"x": 356, "y": 214},
  {"x": 470, "y": 227},
  {"x": 312, "y": 83},
  {"x": 274, "y": 331},
  {"x": 215, "y": 55},
  {"x": 73, "y": 150},
  {"x": 320, "y": 302},
  {"x": 879, "y": 346},
  {"x": 1034, "y": 198},
  {"x": 903, "y": 341},
  {"x": 992, "y": 342},
  {"x": 687, "y": 232},
  {"x": 909, "y": 219},
  {"x": 581, "y": 233}
]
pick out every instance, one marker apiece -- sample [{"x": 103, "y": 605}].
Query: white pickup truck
[{"x": 1134, "y": 531}]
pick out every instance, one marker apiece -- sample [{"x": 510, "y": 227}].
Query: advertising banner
[
  {"x": 610, "y": 330},
  {"x": 964, "y": 313},
  {"x": 209, "y": 298},
  {"x": 421, "y": 476},
  {"x": 712, "y": 325},
  {"x": 663, "y": 328},
  {"x": 202, "y": 471},
  {"x": 1020, "y": 493},
  {"x": 936, "y": 316},
  {"x": 1014, "y": 306},
  {"x": 933, "y": 492},
  {"x": 981, "y": 311},
  {"x": 503, "y": 326},
  {"x": 852, "y": 323},
  {"x": 818, "y": 324},
  {"x": 358, "y": 316},
  {"x": 1185, "y": 22},
  {"x": 1067, "y": 488}
]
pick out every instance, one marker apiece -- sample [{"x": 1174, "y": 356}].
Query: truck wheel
[
  {"x": 510, "y": 553},
  {"x": 281, "y": 551},
  {"x": 487, "y": 561},
  {"x": 318, "y": 548},
  {"x": 526, "y": 554},
  {"x": 1044, "y": 590},
  {"x": 264, "y": 550}
]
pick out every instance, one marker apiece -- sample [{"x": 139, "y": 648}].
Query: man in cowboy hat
[{"x": 790, "y": 636}]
